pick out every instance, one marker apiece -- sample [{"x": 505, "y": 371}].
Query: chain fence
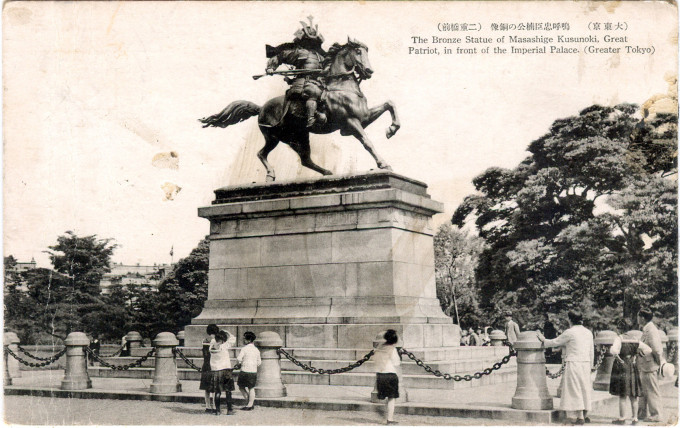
[
  {"x": 458, "y": 378},
  {"x": 316, "y": 370},
  {"x": 185, "y": 359},
  {"x": 45, "y": 363},
  {"x": 28, "y": 354},
  {"x": 115, "y": 354},
  {"x": 136, "y": 363},
  {"x": 600, "y": 358}
]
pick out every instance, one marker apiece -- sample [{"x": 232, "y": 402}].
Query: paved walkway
[{"x": 307, "y": 405}]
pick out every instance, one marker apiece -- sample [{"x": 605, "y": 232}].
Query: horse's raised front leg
[
  {"x": 269, "y": 145},
  {"x": 377, "y": 111},
  {"x": 354, "y": 127}
]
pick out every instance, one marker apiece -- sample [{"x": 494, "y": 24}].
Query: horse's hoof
[
  {"x": 327, "y": 172},
  {"x": 385, "y": 166},
  {"x": 270, "y": 178},
  {"x": 391, "y": 131}
]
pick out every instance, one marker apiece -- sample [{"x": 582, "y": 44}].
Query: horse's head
[
  {"x": 351, "y": 57},
  {"x": 357, "y": 55}
]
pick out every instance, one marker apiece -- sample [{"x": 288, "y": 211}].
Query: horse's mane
[{"x": 334, "y": 50}]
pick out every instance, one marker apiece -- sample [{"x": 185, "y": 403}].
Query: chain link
[
  {"x": 600, "y": 358},
  {"x": 458, "y": 378},
  {"x": 28, "y": 354},
  {"x": 558, "y": 374},
  {"x": 312, "y": 369},
  {"x": 137, "y": 363},
  {"x": 115, "y": 354},
  {"x": 185, "y": 359},
  {"x": 45, "y": 363}
]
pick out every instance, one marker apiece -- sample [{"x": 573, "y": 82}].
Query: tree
[
  {"x": 455, "y": 257},
  {"x": 589, "y": 216}
]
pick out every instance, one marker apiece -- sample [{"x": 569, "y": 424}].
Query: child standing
[
  {"x": 386, "y": 359},
  {"x": 249, "y": 357},
  {"x": 206, "y": 373},
  {"x": 625, "y": 377},
  {"x": 220, "y": 364}
]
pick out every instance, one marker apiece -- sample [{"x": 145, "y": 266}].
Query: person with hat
[
  {"x": 511, "y": 328},
  {"x": 304, "y": 53},
  {"x": 625, "y": 376},
  {"x": 649, "y": 361}
]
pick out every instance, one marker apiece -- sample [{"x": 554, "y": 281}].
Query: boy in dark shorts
[{"x": 249, "y": 357}]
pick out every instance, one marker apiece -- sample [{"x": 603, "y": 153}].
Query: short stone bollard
[
  {"x": 12, "y": 367},
  {"x": 76, "y": 376},
  {"x": 664, "y": 344},
  {"x": 134, "y": 339},
  {"x": 180, "y": 337},
  {"x": 403, "y": 395},
  {"x": 532, "y": 387},
  {"x": 634, "y": 334},
  {"x": 605, "y": 339},
  {"x": 497, "y": 338},
  {"x": 269, "y": 383},
  {"x": 165, "y": 372}
]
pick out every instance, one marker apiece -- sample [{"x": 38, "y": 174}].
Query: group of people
[
  {"x": 217, "y": 372},
  {"x": 475, "y": 337},
  {"x": 634, "y": 376}
]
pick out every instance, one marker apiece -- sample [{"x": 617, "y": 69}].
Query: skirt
[
  {"x": 388, "y": 385},
  {"x": 221, "y": 381},
  {"x": 247, "y": 380},
  {"x": 625, "y": 378},
  {"x": 206, "y": 375}
]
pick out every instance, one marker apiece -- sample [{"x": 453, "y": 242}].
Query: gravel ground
[{"x": 63, "y": 411}]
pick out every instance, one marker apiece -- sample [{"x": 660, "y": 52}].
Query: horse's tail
[{"x": 236, "y": 112}]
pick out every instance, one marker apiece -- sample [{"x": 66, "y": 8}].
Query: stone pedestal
[
  {"x": 269, "y": 384},
  {"x": 12, "y": 366},
  {"x": 75, "y": 376},
  {"x": 325, "y": 263},
  {"x": 165, "y": 372},
  {"x": 664, "y": 344},
  {"x": 604, "y": 339},
  {"x": 532, "y": 387}
]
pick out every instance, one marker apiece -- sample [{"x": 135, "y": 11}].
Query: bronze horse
[{"x": 345, "y": 107}]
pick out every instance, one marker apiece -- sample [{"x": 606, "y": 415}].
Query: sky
[{"x": 101, "y": 101}]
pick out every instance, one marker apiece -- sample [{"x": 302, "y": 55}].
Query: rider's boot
[{"x": 311, "y": 112}]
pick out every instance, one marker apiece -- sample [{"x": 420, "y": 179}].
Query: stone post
[
  {"x": 673, "y": 346},
  {"x": 532, "y": 388},
  {"x": 75, "y": 376},
  {"x": 180, "y": 337},
  {"x": 134, "y": 339},
  {"x": 269, "y": 384},
  {"x": 664, "y": 344},
  {"x": 165, "y": 372},
  {"x": 604, "y": 339},
  {"x": 12, "y": 366},
  {"x": 497, "y": 338},
  {"x": 403, "y": 395}
]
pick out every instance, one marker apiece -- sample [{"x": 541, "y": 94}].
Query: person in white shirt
[
  {"x": 220, "y": 364},
  {"x": 387, "y": 360},
  {"x": 249, "y": 357},
  {"x": 578, "y": 355}
]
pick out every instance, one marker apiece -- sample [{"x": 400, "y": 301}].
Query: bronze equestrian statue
[{"x": 344, "y": 105}]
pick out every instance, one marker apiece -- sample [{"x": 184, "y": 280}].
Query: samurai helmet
[{"x": 309, "y": 32}]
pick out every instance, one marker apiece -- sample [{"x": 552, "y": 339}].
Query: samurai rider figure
[{"x": 304, "y": 53}]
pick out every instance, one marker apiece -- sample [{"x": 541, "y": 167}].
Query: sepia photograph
[{"x": 319, "y": 213}]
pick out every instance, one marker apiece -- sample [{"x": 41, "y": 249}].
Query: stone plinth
[
  {"x": 326, "y": 263},
  {"x": 606, "y": 339},
  {"x": 532, "y": 387}
]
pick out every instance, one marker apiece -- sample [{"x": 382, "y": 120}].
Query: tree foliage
[
  {"x": 589, "y": 218},
  {"x": 455, "y": 256}
]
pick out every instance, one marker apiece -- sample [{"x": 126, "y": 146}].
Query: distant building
[
  {"x": 24, "y": 266},
  {"x": 135, "y": 276}
]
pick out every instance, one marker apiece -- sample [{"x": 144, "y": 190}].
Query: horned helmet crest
[{"x": 309, "y": 32}]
